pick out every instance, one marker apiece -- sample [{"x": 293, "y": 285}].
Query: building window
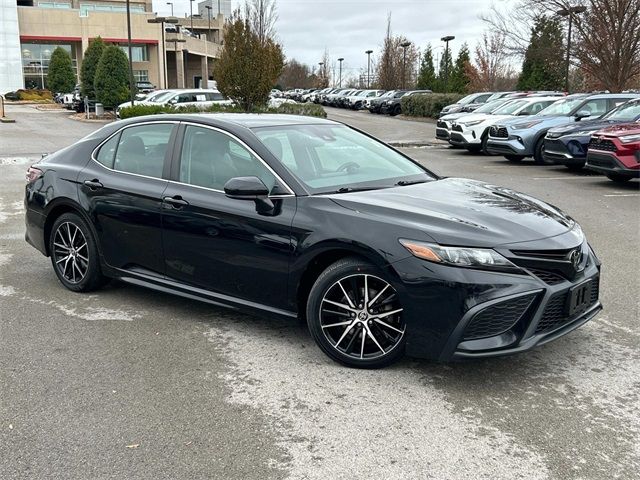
[
  {"x": 140, "y": 53},
  {"x": 141, "y": 75},
  {"x": 85, "y": 8},
  {"x": 35, "y": 62},
  {"x": 54, "y": 5}
]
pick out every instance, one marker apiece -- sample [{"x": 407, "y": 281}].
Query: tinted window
[
  {"x": 142, "y": 149},
  {"x": 211, "y": 96},
  {"x": 210, "y": 158},
  {"x": 107, "y": 152}
]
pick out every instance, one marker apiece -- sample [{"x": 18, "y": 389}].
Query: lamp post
[
  {"x": 209, "y": 8},
  {"x": 340, "y": 60},
  {"x": 404, "y": 46},
  {"x": 368, "y": 52},
  {"x": 446, "y": 40},
  {"x": 162, "y": 21},
  {"x": 569, "y": 12},
  {"x": 321, "y": 73},
  {"x": 131, "y": 92},
  {"x": 176, "y": 41},
  {"x": 171, "y": 3},
  {"x": 191, "y": 13}
]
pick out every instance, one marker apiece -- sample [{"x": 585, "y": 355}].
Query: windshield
[
  {"x": 399, "y": 94},
  {"x": 510, "y": 107},
  {"x": 562, "y": 107},
  {"x": 467, "y": 99},
  {"x": 626, "y": 112},
  {"x": 161, "y": 97},
  {"x": 490, "y": 106},
  {"x": 326, "y": 158}
]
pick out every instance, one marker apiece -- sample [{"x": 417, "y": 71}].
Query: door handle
[
  {"x": 93, "y": 184},
  {"x": 176, "y": 201}
]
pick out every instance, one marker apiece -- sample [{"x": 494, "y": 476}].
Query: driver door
[{"x": 221, "y": 244}]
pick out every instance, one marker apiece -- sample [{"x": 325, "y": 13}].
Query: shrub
[
  {"x": 61, "y": 77},
  {"x": 35, "y": 94},
  {"x": 428, "y": 105},
  {"x": 111, "y": 80},
  {"x": 310, "y": 110},
  {"x": 89, "y": 66}
]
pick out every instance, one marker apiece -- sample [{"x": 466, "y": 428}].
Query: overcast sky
[{"x": 346, "y": 28}]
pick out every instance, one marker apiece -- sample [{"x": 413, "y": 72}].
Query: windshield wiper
[
  {"x": 356, "y": 189},
  {"x": 403, "y": 183}
]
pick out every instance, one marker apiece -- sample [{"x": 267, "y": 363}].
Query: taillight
[{"x": 33, "y": 173}]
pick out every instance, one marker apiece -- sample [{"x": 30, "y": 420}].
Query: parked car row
[{"x": 597, "y": 131}]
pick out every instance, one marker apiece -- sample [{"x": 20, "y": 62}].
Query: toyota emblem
[{"x": 575, "y": 257}]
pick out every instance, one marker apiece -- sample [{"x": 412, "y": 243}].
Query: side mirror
[
  {"x": 250, "y": 188},
  {"x": 582, "y": 114},
  {"x": 173, "y": 101}
]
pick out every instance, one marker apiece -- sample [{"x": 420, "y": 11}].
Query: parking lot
[{"x": 131, "y": 383}]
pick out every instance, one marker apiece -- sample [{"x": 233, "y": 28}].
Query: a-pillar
[
  {"x": 180, "y": 68},
  {"x": 204, "y": 64}
]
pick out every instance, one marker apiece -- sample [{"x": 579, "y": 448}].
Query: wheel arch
[
  {"x": 58, "y": 208},
  {"x": 319, "y": 260}
]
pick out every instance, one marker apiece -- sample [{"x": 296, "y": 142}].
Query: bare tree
[
  {"x": 261, "y": 16},
  {"x": 324, "y": 73},
  {"x": 491, "y": 70},
  {"x": 606, "y": 37},
  {"x": 393, "y": 64}
]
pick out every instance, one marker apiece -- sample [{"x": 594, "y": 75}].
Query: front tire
[
  {"x": 355, "y": 316},
  {"x": 74, "y": 254},
  {"x": 538, "y": 156},
  {"x": 618, "y": 178}
]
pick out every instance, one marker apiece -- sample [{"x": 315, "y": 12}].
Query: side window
[
  {"x": 107, "y": 152},
  {"x": 280, "y": 146},
  {"x": 596, "y": 107},
  {"x": 142, "y": 149},
  {"x": 186, "y": 97},
  {"x": 210, "y": 158}
]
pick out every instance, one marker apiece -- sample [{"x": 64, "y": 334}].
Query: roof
[{"x": 247, "y": 120}]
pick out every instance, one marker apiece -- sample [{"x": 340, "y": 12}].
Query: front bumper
[
  {"x": 463, "y": 137},
  {"x": 507, "y": 146},
  {"x": 454, "y": 313},
  {"x": 442, "y": 130},
  {"x": 565, "y": 151},
  {"x": 608, "y": 163}
]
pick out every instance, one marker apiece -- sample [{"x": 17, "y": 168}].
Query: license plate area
[{"x": 579, "y": 298}]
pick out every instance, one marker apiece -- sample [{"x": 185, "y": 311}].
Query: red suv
[{"x": 615, "y": 151}]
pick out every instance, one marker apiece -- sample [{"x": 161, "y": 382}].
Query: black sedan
[
  {"x": 300, "y": 217},
  {"x": 567, "y": 145}
]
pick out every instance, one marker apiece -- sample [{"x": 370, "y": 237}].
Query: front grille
[
  {"x": 600, "y": 161},
  {"x": 544, "y": 254},
  {"x": 554, "y": 315},
  {"x": 550, "y": 278},
  {"x": 554, "y": 146},
  {"x": 498, "y": 318},
  {"x": 598, "y": 144},
  {"x": 441, "y": 124},
  {"x": 457, "y": 128},
  {"x": 499, "y": 132}
]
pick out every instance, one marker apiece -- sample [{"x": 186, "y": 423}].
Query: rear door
[{"x": 122, "y": 188}]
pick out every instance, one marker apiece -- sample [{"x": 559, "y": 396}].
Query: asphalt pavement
[{"x": 130, "y": 383}]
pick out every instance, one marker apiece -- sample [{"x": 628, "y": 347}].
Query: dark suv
[
  {"x": 393, "y": 106},
  {"x": 567, "y": 144}
]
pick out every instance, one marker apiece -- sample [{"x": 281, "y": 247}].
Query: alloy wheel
[
  {"x": 70, "y": 252},
  {"x": 361, "y": 317}
]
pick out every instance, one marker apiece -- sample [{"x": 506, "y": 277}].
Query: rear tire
[
  {"x": 618, "y": 178},
  {"x": 354, "y": 328},
  {"x": 74, "y": 254}
]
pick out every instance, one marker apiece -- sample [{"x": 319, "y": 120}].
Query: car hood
[
  {"x": 454, "y": 116},
  {"x": 589, "y": 125},
  {"x": 622, "y": 129},
  {"x": 457, "y": 211},
  {"x": 483, "y": 117}
]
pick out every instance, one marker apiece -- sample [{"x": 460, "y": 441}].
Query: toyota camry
[{"x": 293, "y": 216}]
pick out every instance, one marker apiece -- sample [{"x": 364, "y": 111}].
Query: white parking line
[
  {"x": 563, "y": 178},
  {"x": 623, "y": 195}
]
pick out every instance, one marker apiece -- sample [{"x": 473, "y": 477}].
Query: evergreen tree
[
  {"x": 543, "y": 66},
  {"x": 61, "y": 77},
  {"x": 89, "y": 65},
  {"x": 111, "y": 80},
  {"x": 444, "y": 72},
  {"x": 427, "y": 75},
  {"x": 248, "y": 66},
  {"x": 458, "y": 79}
]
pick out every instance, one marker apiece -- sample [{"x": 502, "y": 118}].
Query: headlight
[
  {"x": 524, "y": 126},
  {"x": 484, "y": 258},
  {"x": 471, "y": 124},
  {"x": 630, "y": 138}
]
